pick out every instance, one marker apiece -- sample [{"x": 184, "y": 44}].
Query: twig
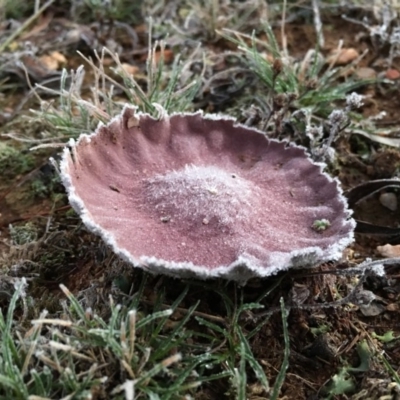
[
  {"x": 318, "y": 24},
  {"x": 39, "y": 215},
  {"x": 283, "y": 34}
]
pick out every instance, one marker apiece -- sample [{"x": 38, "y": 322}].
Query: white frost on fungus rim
[{"x": 193, "y": 195}]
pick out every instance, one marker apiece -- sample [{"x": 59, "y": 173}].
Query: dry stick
[
  {"x": 283, "y": 34},
  {"x": 39, "y": 215},
  {"x": 14, "y": 35},
  {"x": 37, "y": 6},
  {"x": 318, "y": 24}
]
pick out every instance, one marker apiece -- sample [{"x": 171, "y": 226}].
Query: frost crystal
[
  {"x": 315, "y": 133},
  {"x": 337, "y": 117},
  {"x": 379, "y": 270},
  {"x": 354, "y": 101}
]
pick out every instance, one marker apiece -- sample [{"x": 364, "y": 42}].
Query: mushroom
[{"x": 193, "y": 195}]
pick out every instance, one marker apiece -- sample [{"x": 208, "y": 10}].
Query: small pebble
[
  {"x": 389, "y": 200},
  {"x": 366, "y": 73},
  {"x": 392, "y": 74},
  {"x": 389, "y": 251}
]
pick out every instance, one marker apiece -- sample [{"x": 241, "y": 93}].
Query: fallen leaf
[
  {"x": 167, "y": 56},
  {"x": 343, "y": 56},
  {"x": 53, "y": 61},
  {"x": 130, "y": 69}
]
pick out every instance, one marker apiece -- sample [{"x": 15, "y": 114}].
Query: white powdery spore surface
[{"x": 201, "y": 194}]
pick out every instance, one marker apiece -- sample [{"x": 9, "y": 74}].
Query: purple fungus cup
[{"x": 193, "y": 195}]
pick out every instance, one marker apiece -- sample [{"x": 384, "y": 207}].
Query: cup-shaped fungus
[{"x": 199, "y": 195}]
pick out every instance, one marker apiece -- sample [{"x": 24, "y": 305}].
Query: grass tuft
[
  {"x": 307, "y": 85},
  {"x": 128, "y": 352},
  {"x": 75, "y": 113}
]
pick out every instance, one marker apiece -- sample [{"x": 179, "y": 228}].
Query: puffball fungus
[{"x": 200, "y": 195}]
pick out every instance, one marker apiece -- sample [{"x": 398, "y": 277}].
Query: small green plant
[
  {"x": 23, "y": 234},
  {"x": 386, "y": 337},
  {"x": 321, "y": 225},
  {"x": 343, "y": 382},
  {"x": 320, "y": 329},
  {"x": 45, "y": 186}
]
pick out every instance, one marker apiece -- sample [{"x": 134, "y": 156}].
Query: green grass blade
[{"x": 286, "y": 353}]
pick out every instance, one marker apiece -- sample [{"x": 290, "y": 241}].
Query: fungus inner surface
[{"x": 167, "y": 190}]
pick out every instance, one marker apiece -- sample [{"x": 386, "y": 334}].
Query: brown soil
[{"x": 314, "y": 358}]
